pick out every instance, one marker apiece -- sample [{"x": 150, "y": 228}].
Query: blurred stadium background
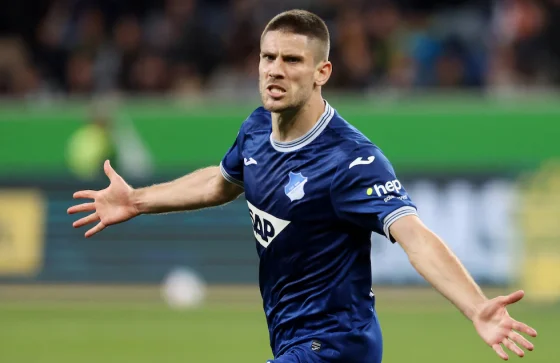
[{"x": 461, "y": 95}]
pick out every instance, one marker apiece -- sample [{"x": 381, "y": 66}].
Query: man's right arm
[
  {"x": 119, "y": 202},
  {"x": 203, "y": 188}
]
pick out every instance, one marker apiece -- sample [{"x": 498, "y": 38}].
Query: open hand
[
  {"x": 111, "y": 205},
  {"x": 496, "y": 327}
]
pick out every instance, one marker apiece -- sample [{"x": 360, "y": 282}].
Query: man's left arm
[{"x": 432, "y": 259}]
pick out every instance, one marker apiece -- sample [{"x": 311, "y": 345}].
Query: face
[{"x": 288, "y": 70}]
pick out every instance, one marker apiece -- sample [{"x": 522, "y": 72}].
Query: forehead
[{"x": 286, "y": 43}]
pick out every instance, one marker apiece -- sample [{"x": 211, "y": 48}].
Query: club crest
[{"x": 294, "y": 188}]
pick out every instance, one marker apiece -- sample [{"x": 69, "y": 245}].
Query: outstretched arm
[
  {"x": 201, "y": 189},
  {"x": 430, "y": 256},
  {"x": 120, "y": 202}
]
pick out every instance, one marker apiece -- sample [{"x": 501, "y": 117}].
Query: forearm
[
  {"x": 200, "y": 189},
  {"x": 443, "y": 270}
]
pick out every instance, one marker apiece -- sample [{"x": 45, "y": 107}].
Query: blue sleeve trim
[
  {"x": 394, "y": 216},
  {"x": 229, "y": 178}
]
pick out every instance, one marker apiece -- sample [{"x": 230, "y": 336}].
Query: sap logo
[
  {"x": 266, "y": 227},
  {"x": 390, "y": 186}
]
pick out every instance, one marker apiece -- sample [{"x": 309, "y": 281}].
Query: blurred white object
[
  {"x": 183, "y": 289},
  {"x": 135, "y": 160}
]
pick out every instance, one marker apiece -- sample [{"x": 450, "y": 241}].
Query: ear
[{"x": 323, "y": 73}]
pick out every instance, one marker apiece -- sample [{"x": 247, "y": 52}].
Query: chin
[{"x": 275, "y": 106}]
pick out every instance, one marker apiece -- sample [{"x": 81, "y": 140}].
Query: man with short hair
[{"x": 316, "y": 188}]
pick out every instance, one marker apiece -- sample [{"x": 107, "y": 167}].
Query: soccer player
[{"x": 316, "y": 188}]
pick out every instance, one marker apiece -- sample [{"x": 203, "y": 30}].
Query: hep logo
[{"x": 390, "y": 186}]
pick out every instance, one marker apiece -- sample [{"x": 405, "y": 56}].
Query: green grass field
[{"x": 68, "y": 325}]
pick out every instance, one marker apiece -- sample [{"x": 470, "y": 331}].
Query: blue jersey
[{"x": 314, "y": 203}]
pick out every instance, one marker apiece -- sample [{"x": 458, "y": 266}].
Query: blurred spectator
[
  {"x": 90, "y": 146},
  {"x": 527, "y": 50},
  {"x": 17, "y": 73},
  {"x": 192, "y": 46},
  {"x": 106, "y": 134}
]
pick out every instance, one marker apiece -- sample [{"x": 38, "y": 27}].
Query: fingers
[
  {"x": 523, "y": 328},
  {"x": 513, "y": 347},
  {"x": 513, "y": 297},
  {"x": 109, "y": 171},
  {"x": 98, "y": 228},
  {"x": 86, "y": 194},
  {"x": 519, "y": 339},
  {"x": 90, "y": 194},
  {"x": 500, "y": 351},
  {"x": 85, "y": 207},
  {"x": 86, "y": 220}
]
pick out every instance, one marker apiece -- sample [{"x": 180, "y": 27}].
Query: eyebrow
[{"x": 284, "y": 56}]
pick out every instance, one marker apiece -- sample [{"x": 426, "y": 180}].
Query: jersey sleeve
[
  {"x": 366, "y": 192},
  {"x": 231, "y": 165}
]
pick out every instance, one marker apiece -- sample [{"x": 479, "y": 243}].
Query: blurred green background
[{"x": 131, "y": 325}]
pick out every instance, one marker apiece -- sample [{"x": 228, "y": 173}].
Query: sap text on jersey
[
  {"x": 266, "y": 227},
  {"x": 262, "y": 226}
]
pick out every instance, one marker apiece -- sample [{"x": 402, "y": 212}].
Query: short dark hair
[{"x": 302, "y": 22}]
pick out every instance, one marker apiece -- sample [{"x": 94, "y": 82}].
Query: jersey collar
[{"x": 306, "y": 139}]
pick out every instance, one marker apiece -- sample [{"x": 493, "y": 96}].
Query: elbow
[
  {"x": 418, "y": 241},
  {"x": 427, "y": 247},
  {"x": 219, "y": 191},
  {"x": 414, "y": 254},
  {"x": 217, "y": 199}
]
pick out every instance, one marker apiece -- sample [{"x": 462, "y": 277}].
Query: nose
[{"x": 276, "y": 69}]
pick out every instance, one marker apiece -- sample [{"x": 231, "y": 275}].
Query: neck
[{"x": 291, "y": 124}]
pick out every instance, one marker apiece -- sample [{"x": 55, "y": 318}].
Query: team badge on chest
[{"x": 294, "y": 188}]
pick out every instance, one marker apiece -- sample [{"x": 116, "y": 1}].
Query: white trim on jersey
[
  {"x": 396, "y": 214},
  {"x": 309, "y": 136},
  {"x": 229, "y": 178}
]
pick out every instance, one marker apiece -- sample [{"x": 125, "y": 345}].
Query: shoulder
[
  {"x": 351, "y": 144},
  {"x": 345, "y": 132},
  {"x": 364, "y": 159},
  {"x": 356, "y": 154},
  {"x": 258, "y": 120}
]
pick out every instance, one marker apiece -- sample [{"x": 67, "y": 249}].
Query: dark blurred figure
[
  {"x": 353, "y": 60},
  {"x": 79, "y": 73},
  {"x": 193, "y": 46},
  {"x": 527, "y": 47},
  {"x": 18, "y": 76},
  {"x": 128, "y": 44}
]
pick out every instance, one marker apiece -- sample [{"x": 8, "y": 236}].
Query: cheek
[
  {"x": 262, "y": 71},
  {"x": 306, "y": 83}
]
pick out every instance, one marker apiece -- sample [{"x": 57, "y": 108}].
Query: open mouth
[{"x": 275, "y": 90}]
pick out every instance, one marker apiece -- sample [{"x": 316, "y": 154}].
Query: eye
[
  {"x": 292, "y": 60},
  {"x": 267, "y": 57}
]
